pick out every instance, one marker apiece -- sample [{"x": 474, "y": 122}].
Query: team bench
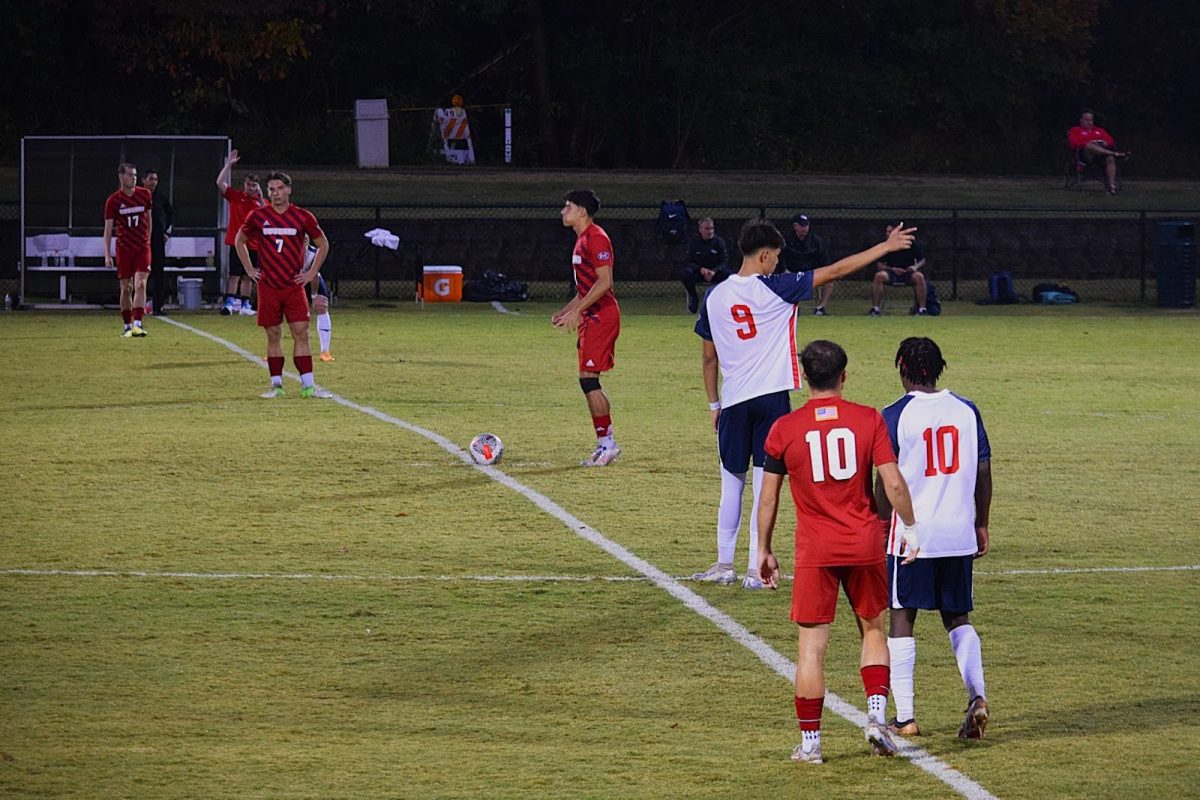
[{"x": 57, "y": 253}]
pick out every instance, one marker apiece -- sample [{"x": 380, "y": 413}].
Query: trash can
[
  {"x": 371, "y": 132},
  {"x": 189, "y": 293},
  {"x": 1175, "y": 264}
]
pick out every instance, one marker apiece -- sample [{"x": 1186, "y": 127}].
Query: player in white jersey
[
  {"x": 320, "y": 302},
  {"x": 944, "y": 455},
  {"x": 748, "y": 327}
]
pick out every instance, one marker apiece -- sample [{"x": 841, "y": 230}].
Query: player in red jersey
[
  {"x": 827, "y": 448},
  {"x": 594, "y": 312},
  {"x": 127, "y": 212},
  {"x": 279, "y": 231},
  {"x": 241, "y": 203}
]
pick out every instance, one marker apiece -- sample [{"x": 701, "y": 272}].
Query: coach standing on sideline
[
  {"x": 162, "y": 220},
  {"x": 279, "y": 231}
]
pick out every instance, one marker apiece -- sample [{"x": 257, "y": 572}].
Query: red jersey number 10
[
  {"x": 941, "y": 450},
  {"x": 743, "y": 316}
]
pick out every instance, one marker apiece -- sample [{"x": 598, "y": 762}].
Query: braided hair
[{"x": 920, "y": 361}]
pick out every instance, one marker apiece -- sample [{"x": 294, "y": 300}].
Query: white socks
[
  {"x": 756, "y": 481},
  {"x": 324, "y": 330},
  {"x": 969, "y": 652},
  {"x": 903, "y": 653},
  {"x": 877, "y": 709},
  {"x": 729, "y": 514}
]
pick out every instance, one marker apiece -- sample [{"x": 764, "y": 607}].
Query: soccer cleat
[
  {"x": 327, "y": 356},
  {"x": 272, "y": 393},
  {"x": 880, "y": 740},
  {"x": 247, "y": 310},
  {"x": 874, "y": 312},
  {"x": 313, "y": 391},
  {"x": 812, "y": 756},
  {"x": 227, "y": 309},
  {"x": 753, "y": 582},
  {"x": 976, "y": 720},
  {"x": 693, "y": 303},
  {"x": 128, "y": 332},
  {"x": 909, "y": 728},
  {"x": 922, "y": 312},
  {"x": 236, "y": 308},
  {"x": 601, "y": 457},
  {"x": 722, "y": 576},
  {"x": 138, "y": 330},
  {"x": 819, "y": 311}
]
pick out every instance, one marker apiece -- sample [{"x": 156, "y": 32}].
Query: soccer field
[{"x": 204, "y": 594}]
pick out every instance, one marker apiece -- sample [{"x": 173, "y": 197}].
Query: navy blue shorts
[
  {"x": 941, "y": 584},
  {"x": 743, "y": 427}
]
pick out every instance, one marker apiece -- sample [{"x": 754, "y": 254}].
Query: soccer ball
[{"x": 486, "y": 448}]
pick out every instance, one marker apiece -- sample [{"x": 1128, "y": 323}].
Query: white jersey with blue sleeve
[
  {"x": 939, "y": 440},
  {"x": 751, "y": 320}
]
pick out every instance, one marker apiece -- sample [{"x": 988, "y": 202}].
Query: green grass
[
  {"x": 157, "y": 456},
  {"x": 448, "y": 184}
]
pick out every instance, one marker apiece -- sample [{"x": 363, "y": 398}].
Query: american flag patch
[{"x": 826, "y": 413}]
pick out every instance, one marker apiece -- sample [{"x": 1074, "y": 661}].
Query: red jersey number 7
[{"x": 743, "y": 316}]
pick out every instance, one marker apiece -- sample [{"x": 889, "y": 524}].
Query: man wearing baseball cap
[{"x": 805, "y": 251}]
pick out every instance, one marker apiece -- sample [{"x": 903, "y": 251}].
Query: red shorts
[
  {"x": 276, "y": 305},
  {"x": 815, "y": 591},
  {"x": 129, "y": 263},
  {"x": 598, "y": 340}
]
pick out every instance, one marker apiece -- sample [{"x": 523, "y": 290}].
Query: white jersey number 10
[{"x": 941, "y": 450}]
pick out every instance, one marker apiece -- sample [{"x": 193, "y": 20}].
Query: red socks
[
  {"x": 808, "y": 712},
  {"x": 138, "y": 311},
  {"x": 876, "y": 678},
  {"x": 127, "y": 315},
  {"x": 603, "y": 425},
  {"x": 275, "y": 365},
  {"x": 303, "y": 364}
]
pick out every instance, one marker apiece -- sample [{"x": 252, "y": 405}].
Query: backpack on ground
[
  {"x": 673, "y": 221},
  {"x": 1054, "y": 294},
  {"x": 495, "y": 286},
  {"x": 1001, "y": 290},
  {"x": 933, "y": 305}
]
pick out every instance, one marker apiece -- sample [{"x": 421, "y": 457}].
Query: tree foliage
[{"x": 940, "y": 85}]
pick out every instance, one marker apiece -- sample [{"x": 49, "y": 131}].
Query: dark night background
[{"x": 966, "y": 87}]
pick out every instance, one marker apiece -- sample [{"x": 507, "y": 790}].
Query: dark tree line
[{"x": 961, "y": 86}]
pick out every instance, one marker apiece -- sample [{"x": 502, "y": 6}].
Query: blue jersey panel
[{"x": 792, "y": 287}]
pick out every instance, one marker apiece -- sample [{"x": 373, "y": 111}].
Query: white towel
[{"x": 381, "y": 237}]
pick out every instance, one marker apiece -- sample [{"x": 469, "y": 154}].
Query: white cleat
[
  {"x": 247, "y": 310},
  {"x": 753, "y": 582},
  {"x": 880, "y": 740},
  {"x": 601, "y": 457},
  {"x": 272, "y": 393},
  {"x": 722, "y": 576},
  {"x": 812, "y": 756}
]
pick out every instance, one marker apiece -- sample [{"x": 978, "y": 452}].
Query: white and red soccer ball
[{"x": 486, "y": 449}]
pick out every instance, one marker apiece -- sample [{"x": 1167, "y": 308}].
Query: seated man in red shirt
[{"x": 1090, "y": 142}]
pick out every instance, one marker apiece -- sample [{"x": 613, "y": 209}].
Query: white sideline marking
[
  {"x": 321, "y": 576},
  {"x": 782, "y": 666}
]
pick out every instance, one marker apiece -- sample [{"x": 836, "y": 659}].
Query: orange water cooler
[{"x": 441, "y": 284}]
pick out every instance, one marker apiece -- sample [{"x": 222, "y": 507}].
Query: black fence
[{"x": 1104, "y": 255}]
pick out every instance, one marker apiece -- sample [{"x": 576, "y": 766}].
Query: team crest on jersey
[
  {"x": 826, "y": 413},
  {"x": 604, "y": 255}
]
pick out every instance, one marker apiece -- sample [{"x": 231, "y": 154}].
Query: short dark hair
[
  {"x": 757, "y": 234},
  {"x": 124, "y": 168},
  {"x": 585, "y": 199},
  {"x": 252, "y": 177},
  {"x": 280, "y": 176},
  {"x": 149, "y": 172},
  {"x": 920, "y": 361},
  {"x": 823, "y": 362}
]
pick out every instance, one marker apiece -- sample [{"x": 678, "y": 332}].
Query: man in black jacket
[
  {"x": 707, "y": 261},
  {"x": 163, "y": 218},
  {"x": 804, "y": 251}
]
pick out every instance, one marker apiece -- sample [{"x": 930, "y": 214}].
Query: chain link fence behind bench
[{"x": 1105, "y": 255}]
